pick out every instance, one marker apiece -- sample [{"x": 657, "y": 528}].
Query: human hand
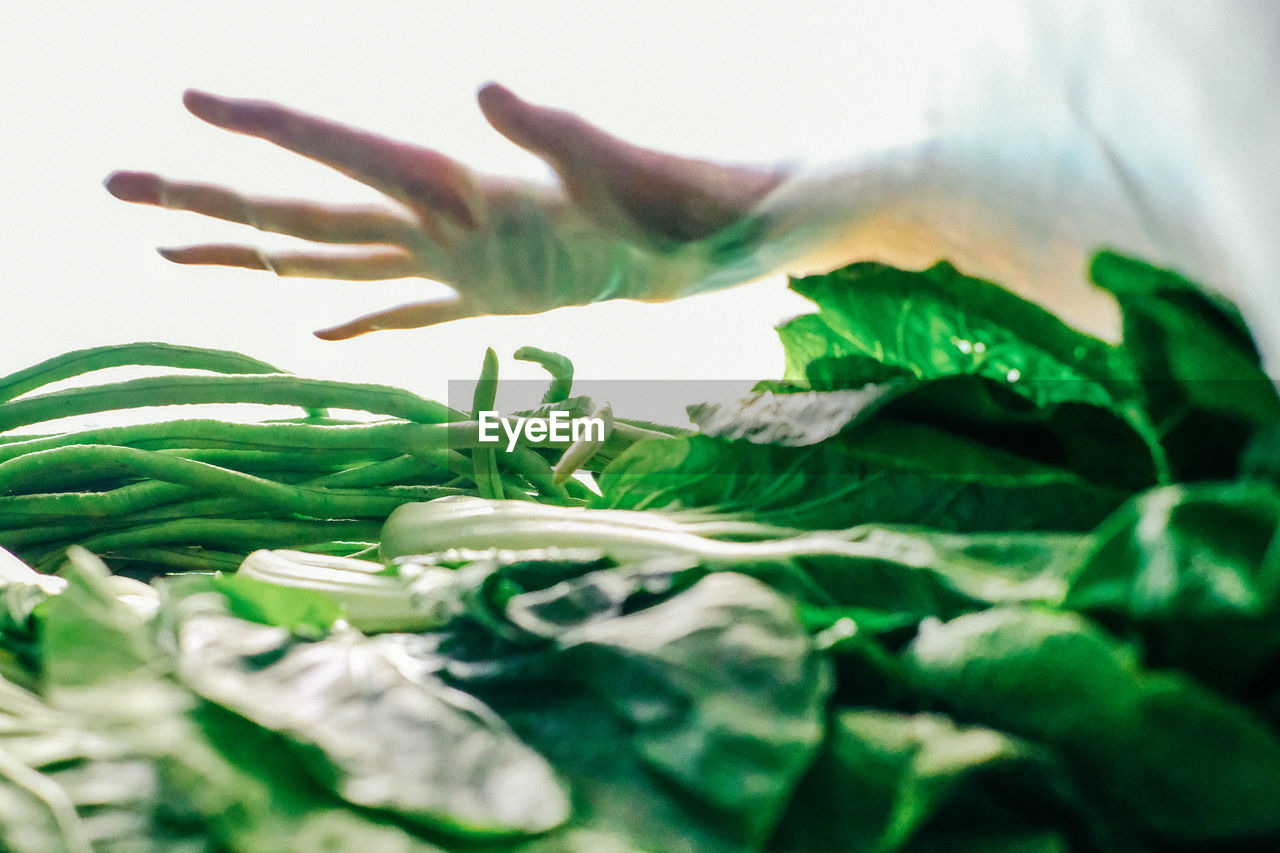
[{"x": 625, "y": 222}]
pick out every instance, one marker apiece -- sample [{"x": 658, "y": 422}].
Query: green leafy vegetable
[
  {"x": 1201, "y": 376},
  {"x": 890, "y": 781},
  {"x": 965, "y": 579},
  {"x": 927, "y": 398},
  {"x": 1193, "y": 572},
  {"x": 1155, "y": 750},
  {"x": 887, "y": 471},
  {"x": 426, "y": 751}
]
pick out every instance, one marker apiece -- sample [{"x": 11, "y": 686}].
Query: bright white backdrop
[{"x": 89, "y": 87}]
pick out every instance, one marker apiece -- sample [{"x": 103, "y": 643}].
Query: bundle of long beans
[{"x": 202, "y": 493}]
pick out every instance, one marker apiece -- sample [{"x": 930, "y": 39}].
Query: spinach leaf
[
  {"x": 886, "y": 471},
  {"x": 377, "y": 725},
  {"x": 736, "y": 713},
  {"x": 238, "y": 778},
  {"x": 74, "y": 777},
  {"x": 1193, "y": 572},
  {"x": 1021, "y": 365},
  {"x": 1155, "y": 751},
  {"x": 818, "y": 356},
  {"x": 705, "y": 683},
  {"x": 190, "y": 776},
  {"x": 890, "y": 781},
  {"x": 939, "y": 322},
  {"x": 936, "y": 399},
  {"x": 19, "y": 637},
  {"x": 914, "y": 573},
  {"x": 1084, "y": 439},
  {"x": 1201, "y": 377},
  {"x": 302, "y": 611}
]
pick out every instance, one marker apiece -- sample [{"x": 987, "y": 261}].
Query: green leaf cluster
[
  {"x": 1082, "y": 649},
  {"x": 965, "y": 579},
  {"x": 939, "y": 399},
  {"x": 567, "y": 705}
]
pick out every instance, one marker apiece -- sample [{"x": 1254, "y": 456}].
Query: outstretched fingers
[
  {"x": 666, "y": 196},
  {"x": 425, "y": 180},
  {"x": 411, "y": 316},
  {"x": 320, "y": 223},
  {"x": 369, "y": 265}
]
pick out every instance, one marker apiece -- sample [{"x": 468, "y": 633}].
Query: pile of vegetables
[
  {"x": 202, "y": 493},
  {"x": 965, "y": 578}
]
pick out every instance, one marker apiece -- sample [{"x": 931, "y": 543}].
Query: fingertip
[
  {"x": 414, "y": 315},
  {"x": 509, "y": 115},
  {"x": 217, "y": 254},
  {"x": 493, "y": 93},
  {"x": 186, "y": 255},
  {"x": 139, "y": 187},
  {"x": 338, "y": 333},
  {"x": 207, "y": 107},
  {"x": 195, "y": 100}
]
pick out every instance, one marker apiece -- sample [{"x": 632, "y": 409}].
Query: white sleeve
[{"x": 1143, "y": 127}]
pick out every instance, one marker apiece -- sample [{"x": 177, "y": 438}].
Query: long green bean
[
  {"x": 243, "y": 535},
  {"x": 484, "y": 459},
  {"x": 268, "y": 389},
  {"x": 267, "y": 462},
  {"x": 256, "y": 533},
  {"x": 239, "y": 508},
  {"x": 20, "y": 539},
  {"x": 379, "y": 473},
  {"x": 22, "y": 510},
  {"x": 153, "y": 354},
  {"x": 559, "y": 366},
  {"x": 198, "y": 493},
  {"x": 184, "y": 559},
  {"x": 202, "y": 477},
  {"x": 388, "y": 436}
]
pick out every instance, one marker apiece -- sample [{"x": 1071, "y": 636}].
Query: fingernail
[
  {"x": 197, "y": 101},
  {"x": 140, "y": 187},
  {"x": 210, "y": 108},
  {"x": 336, "y": 333}
]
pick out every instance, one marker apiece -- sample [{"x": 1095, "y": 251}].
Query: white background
[
  {"x": 89, "y": 87},
  {"x": 92, "y": 87}
]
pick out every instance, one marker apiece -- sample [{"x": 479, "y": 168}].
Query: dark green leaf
[
  {"x": 1202, "y": 379},
  {"x": 377, "y": 725},
  {"x": 681, "y": 707},
  {"x": 941, "y": 323},
  {"x": 885, "y": 471},
  {"x": 252, "y": 797},
  {"x": 1024, "y": 367},
  {"x": 1156, "y": 751},
  {"x": 721, "y": 687},
  {"x": 887, "y": 782},
  {"x": 1194, "y": 571},
  {"x": 820, "y": 357}
]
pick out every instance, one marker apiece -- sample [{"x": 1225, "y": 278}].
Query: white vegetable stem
[{"x": 463, "y": 522}]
